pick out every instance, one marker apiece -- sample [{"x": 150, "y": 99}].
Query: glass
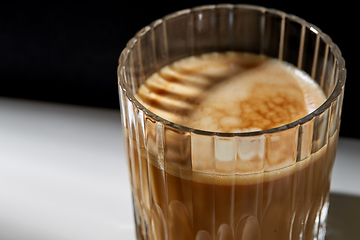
[{"x": 193, "y": 184}]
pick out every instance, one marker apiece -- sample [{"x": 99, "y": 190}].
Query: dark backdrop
[{"x": 68, "y": 52}]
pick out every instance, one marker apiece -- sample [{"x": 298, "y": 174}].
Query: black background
[{"x": 68, "y": 52}]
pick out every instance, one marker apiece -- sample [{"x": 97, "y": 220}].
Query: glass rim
[{"x": 340, "y": 81}]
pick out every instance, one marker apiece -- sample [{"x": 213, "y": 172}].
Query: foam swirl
[{"x": 230, "y": 92}]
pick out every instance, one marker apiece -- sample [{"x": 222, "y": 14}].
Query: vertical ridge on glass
[
  {"x": 282, "y": 36},
  {"x": 301, "y": 47},
  {"x": 316, "y": 55}
]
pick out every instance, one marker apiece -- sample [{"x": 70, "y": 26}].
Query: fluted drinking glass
[{"x": 194, "y": 184}]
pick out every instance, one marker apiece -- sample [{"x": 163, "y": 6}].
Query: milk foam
[{"x": 230, "y": 92}]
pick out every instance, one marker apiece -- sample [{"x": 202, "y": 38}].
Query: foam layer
[{"x": 230, "y": 92}]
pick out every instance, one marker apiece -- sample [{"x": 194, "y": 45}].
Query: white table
[{"x": 63, "y": 174}]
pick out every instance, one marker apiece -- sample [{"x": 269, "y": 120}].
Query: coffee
[
  {"x": 230, "y": 92},
  {"x": 200, "y": 187}
]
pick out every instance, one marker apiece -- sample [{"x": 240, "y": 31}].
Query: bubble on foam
[{"x": 230, "y": 121}]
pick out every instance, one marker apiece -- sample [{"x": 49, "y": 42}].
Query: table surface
[{"x": 63, "y": 176}]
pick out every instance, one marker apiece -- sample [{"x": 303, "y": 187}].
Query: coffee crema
[{"x": 230, "y": 92}]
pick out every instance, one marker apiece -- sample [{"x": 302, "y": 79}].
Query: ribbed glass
[{"x": 193, "y": 184}]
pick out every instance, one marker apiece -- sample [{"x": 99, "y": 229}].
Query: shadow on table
[{"x": 344, "y": 217}]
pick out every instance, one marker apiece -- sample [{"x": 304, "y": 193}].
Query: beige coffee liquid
[{"x": 267, "y": 198}]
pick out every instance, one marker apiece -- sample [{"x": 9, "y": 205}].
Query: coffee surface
[{"x": 230, "y": 92}]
